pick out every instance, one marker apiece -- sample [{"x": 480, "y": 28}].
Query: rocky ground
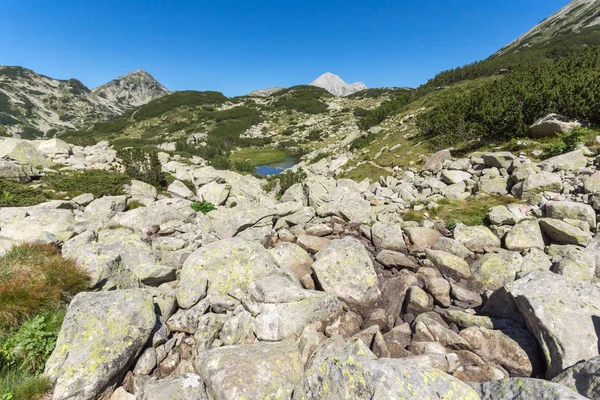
[{"x": 329, "y": 292}]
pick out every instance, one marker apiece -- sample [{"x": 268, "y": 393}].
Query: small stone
[
  {"x": 449, "y": 265},
  {"x": 418, "y": 301},
  {"x": 312, "y": 244}
]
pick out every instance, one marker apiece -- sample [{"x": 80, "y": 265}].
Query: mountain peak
[
  {"x": 133, "y": 89},
  {"x": 336, "y": 85}
]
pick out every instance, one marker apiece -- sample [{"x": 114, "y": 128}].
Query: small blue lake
[{"x": 277, "y": 168}]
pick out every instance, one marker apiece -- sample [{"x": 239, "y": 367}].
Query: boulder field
[{"x": 330, "y": 291}]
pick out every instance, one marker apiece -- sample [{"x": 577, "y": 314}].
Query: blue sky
[{"x": 236, "y": 46}]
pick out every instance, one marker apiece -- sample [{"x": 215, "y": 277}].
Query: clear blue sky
[{"x": 239, "y": 45}]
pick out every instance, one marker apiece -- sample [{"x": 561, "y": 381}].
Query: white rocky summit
[{"x": 336, "y": 85}]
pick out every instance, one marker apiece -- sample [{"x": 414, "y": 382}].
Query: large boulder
[
  {"x": 54, "y": 147},
  {"x": 24, "y": 152},
  {"x": 551, "y": 125},
  {"x": 387, "y": 237},
  {"x": 105, "y": 207},
  {"x": 100, "y": 338},
  {"x": 571, "y": 210},
  {"x": 226, "y": 223},
  {"x": 436, "y": 161},
  {"x": 44, "y": 225},
  {"x": 340, "y": 370},
  {"x": 158, "y": 213},
  {"x": 561, "y": 232},
  {"x": 494, "y": 270},
  {"x": 524, "y": 389},
  {"x": 534, "y": 184},
  {"x": 503, "y": 159},
  {"x": 499, "y": 349},
  {"x": 346, "y": 202},
  {"x": 475, "y": 238},
  {"x": 256, "y": 371},
  {"x": 563, "y": 314},
  {"x": 220, "y": 266},
  {"x": 583, "y": 378},
  {"x": 591, "y": 184},
  {"x": 525, "y": 235},
  {"x": 290, "y": 255},
  {"x": 345, "y": 269},
  {"x": 449, "y": 265},
  {"x": 572, "y": 161},
  {"x": 286, "y": 308}
]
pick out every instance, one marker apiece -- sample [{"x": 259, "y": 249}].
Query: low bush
[
  {"x": 362, "y": 142},
  {"x": 204, "y": 207},
  {"x": 565, "y": 143},
  {"x": 16, "y": 194},
  {"x": 99, "y": 183}
]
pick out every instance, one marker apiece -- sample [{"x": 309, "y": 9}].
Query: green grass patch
[
  {"x": 99, "y": 183},
  {"x": 366, "y": 170},
  {"x": 259, "y": 156},
  {"x": 16, "y": 385},
  {"x": 471, "y": 212}
]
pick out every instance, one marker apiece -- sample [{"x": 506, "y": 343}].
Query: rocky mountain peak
[
  {"x": 572, "y": 18},
  {"x": 132, "y": 90},
  {"x": 336, "y": 85}
]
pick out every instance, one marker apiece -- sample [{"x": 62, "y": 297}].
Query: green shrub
[
  {"x": 362, "y": 142},
  {"x": 99, "y": 183},
  {"x": 16, "y": 194},
  {"x": 565, "y": 143},
  {"x": 204, "y": 207},
  {"x": 315, "y": 135},
  {"x": 145, "y": 167}
]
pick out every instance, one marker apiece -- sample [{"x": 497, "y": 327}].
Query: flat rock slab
[
  {"x": 256, "y": 371},
  {"x": 524, "y": 389}
]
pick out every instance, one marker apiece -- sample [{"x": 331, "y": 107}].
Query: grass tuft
[{"x": 35, "y": 278}]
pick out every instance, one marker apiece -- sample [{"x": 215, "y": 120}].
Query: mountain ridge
[
  {"x": 572, "y": 18},
  {"x": 35, "y": 105}
]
